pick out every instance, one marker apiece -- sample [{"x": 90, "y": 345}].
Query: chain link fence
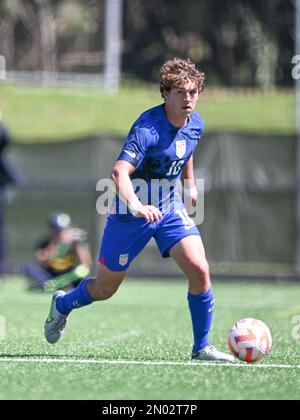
[{"x": 249, "y": 226}]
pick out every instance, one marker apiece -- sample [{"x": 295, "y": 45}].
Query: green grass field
[
  {"x": 137, "y": 345},
  {"x": 37, "y": 114}
]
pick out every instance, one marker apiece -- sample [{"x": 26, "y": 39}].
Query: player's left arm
[{"x": 188, "y": 181}]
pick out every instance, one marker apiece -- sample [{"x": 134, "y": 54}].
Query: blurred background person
[
  {"x": 63, "y": 258},
  {"x": 8, "y": 177}
]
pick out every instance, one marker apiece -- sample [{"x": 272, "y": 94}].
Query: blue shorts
[{"x": 125, "y": 236}]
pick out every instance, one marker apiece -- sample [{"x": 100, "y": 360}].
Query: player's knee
[
  {"x": 204, "y": 268},
  {"x": 201, "y": 274},
  {"x": 104, "y": 293},
  {"x": 201, "y": 268},
  {"x": 101, "y": 291}
]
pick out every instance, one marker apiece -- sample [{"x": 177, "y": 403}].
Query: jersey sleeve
[
  {"x": 139, "y": 140},
  {"x": 198, "y": 131}
]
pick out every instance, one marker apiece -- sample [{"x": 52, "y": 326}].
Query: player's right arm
[
  {"x": 44, "y": 254},
  {"x": 121, "y": 178}
]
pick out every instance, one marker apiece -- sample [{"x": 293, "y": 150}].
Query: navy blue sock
[
  {"x": 76, "y": 298},
  {"x": 201, "y": 308}
]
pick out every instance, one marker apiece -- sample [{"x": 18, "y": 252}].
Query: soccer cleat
[
  {"x": 56, "y": 322},
  {"x": 210, "y": 353}
]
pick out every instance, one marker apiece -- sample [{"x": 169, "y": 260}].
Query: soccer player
[
  {"x": 160, "y": 146},
  {"x": 63, "y": 258},
  {"x": 9, "y": 176}
]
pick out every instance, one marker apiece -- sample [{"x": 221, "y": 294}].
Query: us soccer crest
[
  {"x": 123, "y": 259},
  {"x": 180, "y": 148}
]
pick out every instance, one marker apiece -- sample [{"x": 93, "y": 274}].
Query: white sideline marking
[{"x": 143, "y": 363}]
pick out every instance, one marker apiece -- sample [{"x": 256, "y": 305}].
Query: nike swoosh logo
[
  {"x": 50, "y": 319},
  {"x": 189, "y": 227},
  {"x": 131, "y": 154},
  {"x": 212, "y": 303}
]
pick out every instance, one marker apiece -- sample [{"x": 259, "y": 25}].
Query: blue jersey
[{"x": 159, "y": 151}]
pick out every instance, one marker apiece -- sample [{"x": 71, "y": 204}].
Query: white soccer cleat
[
  {"x": 210, "y": 353},
  {"x": 56, "y": 322}
]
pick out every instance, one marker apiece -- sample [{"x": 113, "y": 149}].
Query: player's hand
[
  {"x": 69, "y": 236},
  {"x": 194, "y": 200},
  {"x": 190, "y": 201},
  {"x": 150, "y": 213},
  {"x": 43, "y": 255}
]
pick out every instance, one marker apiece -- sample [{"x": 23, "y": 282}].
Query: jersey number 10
[{"x": 175, "y": 167}]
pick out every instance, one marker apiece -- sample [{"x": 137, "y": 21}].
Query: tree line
[{"x": 237, "y": 43}]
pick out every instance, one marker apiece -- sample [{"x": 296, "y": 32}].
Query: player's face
[{"x": 181, "y": 102}]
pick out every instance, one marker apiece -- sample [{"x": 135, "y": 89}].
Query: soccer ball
[{"x": 250, "y": 340}]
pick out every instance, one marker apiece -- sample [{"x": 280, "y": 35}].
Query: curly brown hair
[{"x": 177, "y": 72}]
